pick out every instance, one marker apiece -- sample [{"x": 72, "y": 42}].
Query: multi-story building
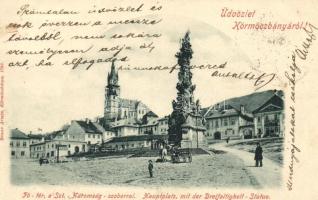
[
  {"x": 19, "y": 144},
  {"x": 57, "y": 144},
  {"x": 256, "y": 115},
  {"x": 163, "y": 126}
]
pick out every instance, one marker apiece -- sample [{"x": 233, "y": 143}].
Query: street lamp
[{"x": 196, "y": 124}]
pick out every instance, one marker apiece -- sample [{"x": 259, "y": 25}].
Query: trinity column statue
[{"x": 186, "y": 127}]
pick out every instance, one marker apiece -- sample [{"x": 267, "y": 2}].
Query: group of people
[{"x": 163, "y": 154}]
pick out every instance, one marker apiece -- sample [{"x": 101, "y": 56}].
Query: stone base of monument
[{"x": 193, "y": 139}]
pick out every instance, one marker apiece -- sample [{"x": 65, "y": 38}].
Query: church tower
[{"x": 112, "y": 96}]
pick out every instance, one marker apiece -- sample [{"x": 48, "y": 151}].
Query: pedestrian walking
[
  {"x": 41, "y": 161},
  {"x": 227, "y": 140},
  {"x": 258, "y": 155},
  {"x": 150, "y": 168},
  {"x": 164, "y": 154},
  {"x": 160, "y": 151}
]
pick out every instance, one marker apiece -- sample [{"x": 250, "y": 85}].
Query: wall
[
  {"x": 20, "y": 148},
  {"x": 227, "y": 126},
  {"x": 75, "y": 132}
]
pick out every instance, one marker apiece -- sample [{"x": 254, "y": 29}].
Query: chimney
[{"x": 242, "y": 109}]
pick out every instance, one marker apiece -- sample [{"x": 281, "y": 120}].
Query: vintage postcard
[{"x": 158, "y": 100}]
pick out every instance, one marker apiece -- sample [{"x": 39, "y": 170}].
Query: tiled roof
[
  {"x": 223, "y": 113},
  {"x": 89, "y": 127},
  {"x": 54, "y": 134},
  {"x": 131, "y": 104},
  {"x": 150, "y": 122},
  {"x": 126, "y": 122},
  {"x": 137, "y": 138},
  {"x": 99, "y": 127},
  {"x": 250, "y": 102},
  {"x": 253, "y": 101},
  {"x": 17, "y": 134},
  {"x": 164, "y": 118},
  {"x": 151, "y": 114},
  {"x": 35, "y": 136}
]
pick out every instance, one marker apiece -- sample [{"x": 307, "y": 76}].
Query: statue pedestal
[
  {"x": 193, "y": 139},
  {"x": 193, "y": 133}
]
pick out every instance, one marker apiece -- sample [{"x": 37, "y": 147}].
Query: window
[
  {"x": 18, "y": 143},
  {"x": 52, "y": 153},
  {"x": 12, "y": 153},
  {"x": 258, "y": 119},
  {"x": 89, "y": 135},
  {"x": 232, "y": 121},
  {"x": 225, "y": 121},
  {"x": 52, "y": 145},
  {"x": 98, "y": 136},
  {"x": 93, "y": 135},
  {"x": 217, "y": 123},
  {"x": 22, "y": 153},
  {"x": 11, "y": 144}
]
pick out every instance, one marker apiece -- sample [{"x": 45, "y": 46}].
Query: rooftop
[{"x": 17, "y": 134}]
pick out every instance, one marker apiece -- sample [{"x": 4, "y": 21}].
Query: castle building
[{"x": 117, "y": 108}]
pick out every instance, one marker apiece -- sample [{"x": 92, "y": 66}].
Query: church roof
[
  {"x": 17, "y": 134},
  {"x": 132, "y": 104}
]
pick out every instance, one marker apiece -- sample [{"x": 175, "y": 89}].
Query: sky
[{"x": 48, "y": 98}]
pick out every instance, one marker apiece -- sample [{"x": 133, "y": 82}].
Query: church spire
[
  {"x": 112, "y": 78},
  {"x": 112, "y": 81}
]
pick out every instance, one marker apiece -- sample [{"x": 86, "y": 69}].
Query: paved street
[
  {"x": 268, "y": 176},
  {"x": 216, "y": 170}
]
